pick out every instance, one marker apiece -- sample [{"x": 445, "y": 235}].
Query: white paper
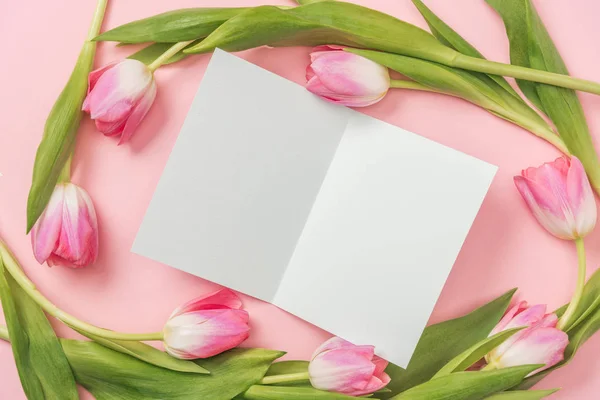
[{"x": 343, "y": 220}]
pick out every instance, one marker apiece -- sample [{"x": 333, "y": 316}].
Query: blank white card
[{"x": 341, "y": 219}]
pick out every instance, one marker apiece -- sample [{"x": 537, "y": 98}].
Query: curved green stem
[
  {"x": 412, "y": 85},
  {"x": 528, "y": 74},
  {"x": 98, "y": 18},
  {"x": 523, "y": 121},
  {"x": 65, "y": 174},
  {"x": 13, "y": 268},
  {"x": 567, "y": 317},
  {"x": 176, "y": 48},
  {"x": 285, "y": 378}
]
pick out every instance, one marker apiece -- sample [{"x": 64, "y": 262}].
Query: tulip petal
[
  {"x": 341, "y": 370},
  {"x": 221, "y": 299},
  {"x": 540, "y": 203},
  {"x": 139, "y": 112},
  {"x": 581, "y": 197},
  {"x": 110, "y": 128},
  {"x": 520, "y": 306},
  {"x": 45, "y": 233},
  {"x": 540, "y": 346},
  {"x": 205, "y": 333},
  {"x": 351, "y": 75}
]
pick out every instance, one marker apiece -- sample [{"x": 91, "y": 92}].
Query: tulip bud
[
  {"x": 560, "y": 197},
  {"x": 345, "y": 78},
  {"x": 539, "y": 343},
  {"x": 119, "y": 97},
  {"x": 206, "y": 326},
  {"x": 339, "y": 366},
  {"x": 67, "y": 231}
]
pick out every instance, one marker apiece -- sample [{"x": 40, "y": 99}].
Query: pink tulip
[
  {"x": 345, "y": 78},
  {"x": 560, "y": 197},
  {"x": 67, "y": 232},
  {"x": 119, "y": 96},
  {"x": 339, "y": 366},
  {"x": 206, "y": 326},
  {"x": 540, "y": 343}
]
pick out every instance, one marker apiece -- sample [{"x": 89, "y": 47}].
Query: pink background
[{"x": 123, "y": 291}]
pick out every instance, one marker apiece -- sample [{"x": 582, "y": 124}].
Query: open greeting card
[{"x": 343, "y": 220}]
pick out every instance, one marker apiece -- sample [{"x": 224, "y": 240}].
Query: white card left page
[{"x": 242, "y": 178}]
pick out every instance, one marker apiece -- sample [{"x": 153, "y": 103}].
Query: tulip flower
[
  {"x": 67, "y": 231},
  {"x": 119, "y": 97},
  {"x": 345, "y": 78},
  {"x": 560, "y": 196},
  {"x": 206, "y": 326},
  {"x": 339, "y": 366},
  {"x": 539, "y": 343}
]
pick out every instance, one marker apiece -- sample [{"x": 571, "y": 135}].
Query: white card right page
[{"x": 382, "y": 236}]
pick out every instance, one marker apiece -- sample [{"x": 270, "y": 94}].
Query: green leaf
[
  {"x": 148, "y": 354},
  {"x": 173, "y": 26},
  {"x": 590, "y": 300},
  {"x": 151, "y": 52},
  {"x": 441, "y": 342},
  {"x": 259, "y": 392},
  {"x": 41, "y": 362},
  {"x": 326, "y": 22},
  {"x": 522, "y": 395},
  {"x": 111, "y": 375},
  {"x": 531, "y": 46},
  {"x": 287, "y": 367},
  {"x": 468, "y": 385},
  {"x": 478, "y": 89},
  {"x": 450, "y": 38},
  {"x": 59, "y": 135},
  {"x": 475, "y": 353},
  {"x": 578, "y": 334}
]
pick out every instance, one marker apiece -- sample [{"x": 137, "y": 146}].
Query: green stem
[
  {"x": 4, "y": 333},
  {"x": 567, "y": 317},
  {"x": 13, "y": 268},
  {"x": 285, "y": 378},
  {"x": 412, "y": 85},
  {"x": 505, "y": 113},
  {"x": 529, "y": 74},
  {"x": 176, "y": 48},
  {"x": 97, "y": 21}
]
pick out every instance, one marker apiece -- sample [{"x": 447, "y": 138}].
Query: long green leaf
[
  {"x": 173, "y": 26},
  {"x": 578, "y": 334},
  {"x": 149, "y": 354},
  {"x": 111, "y": 375},
  {"x": 532, "y": 46},
  {"x": 323, "y": 22},
  {"x": 468, "y": 385},
  {"x": 59, "y": 135},
  {"x": 441, "y": 342},
  {"x": 476, "y": 352},
  {"x": 522, "y": 395},
  {"x": 41, "y": 362},
  {"x": 287, "y": 367},
  {"x": 476, "y": 88},
  {"x": 450, "y": 38},
  {"x": 259, "y": 392}
]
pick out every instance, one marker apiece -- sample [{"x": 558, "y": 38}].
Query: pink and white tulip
[
  {"x": 119, "y": 97},
  {"x": 206, "y": 326},
  {"x": 339, "y": 366},
  {"x": 67, "y": 231},
  {"x": 560, "y": 196},
  {"x": 345, "y": 78},
  {"x": 540, "y": 343}
]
